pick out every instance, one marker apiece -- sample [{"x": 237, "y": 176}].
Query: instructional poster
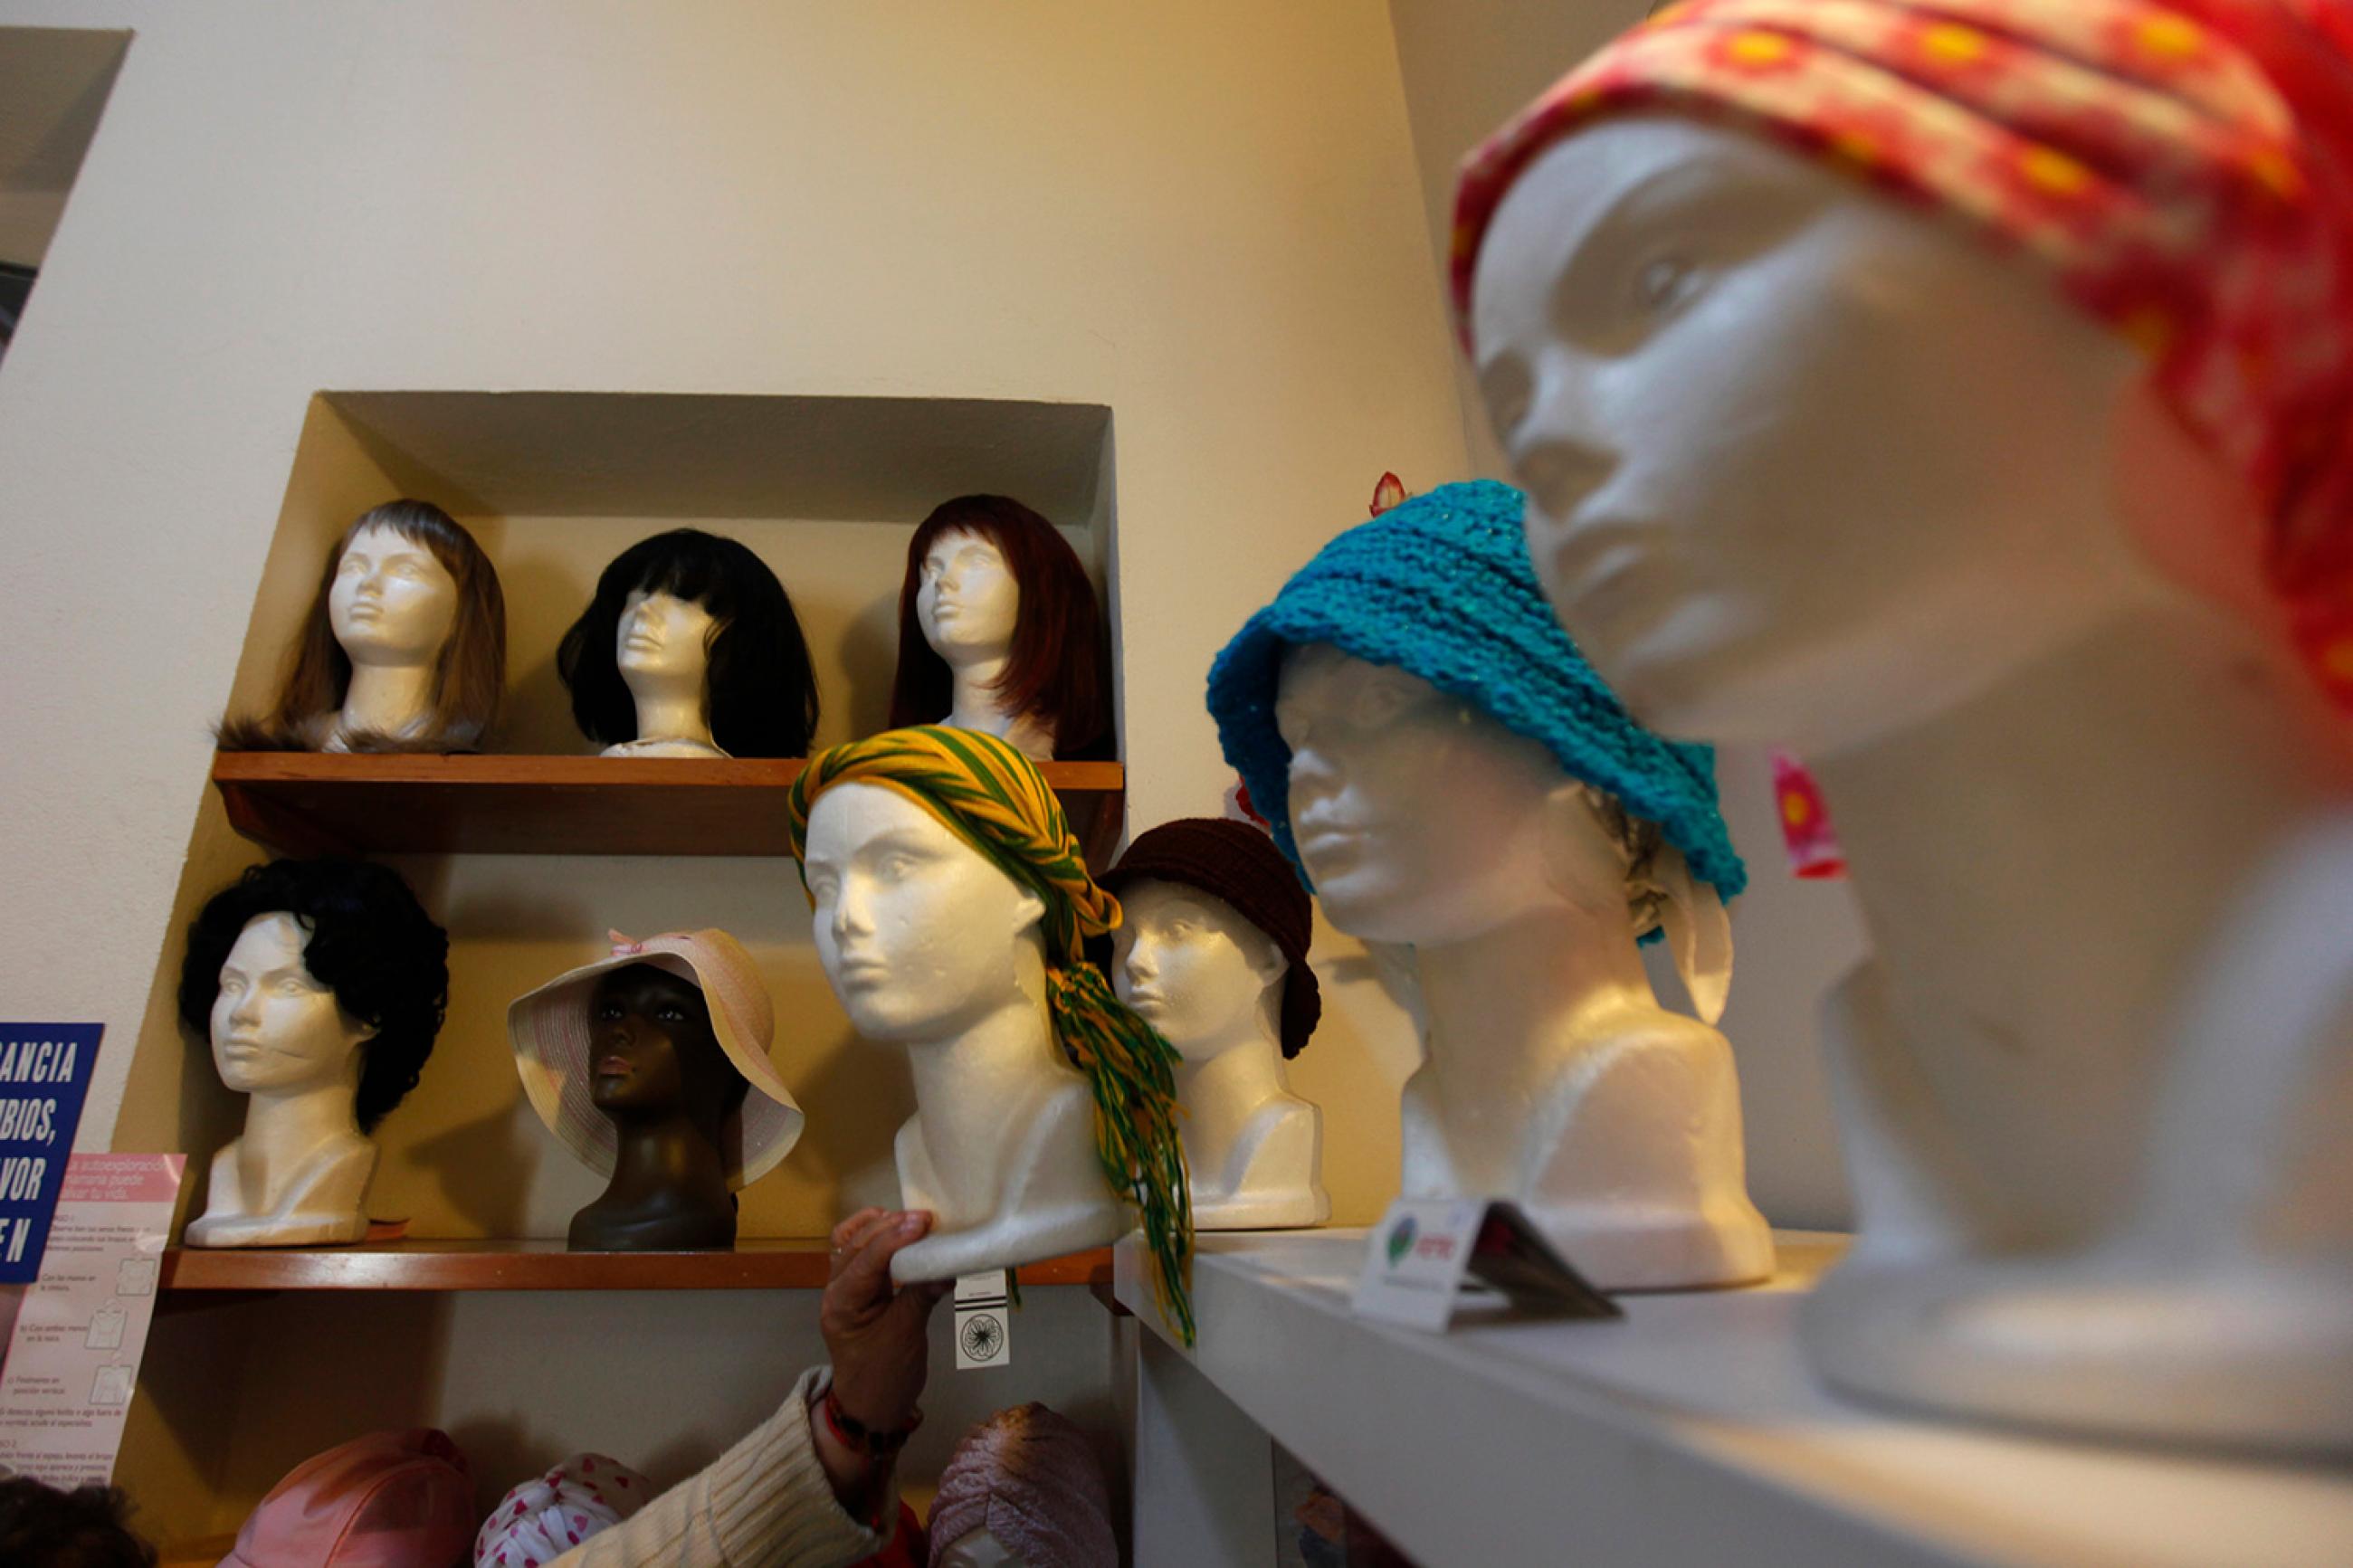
[{"x": 73, "y": 1359}]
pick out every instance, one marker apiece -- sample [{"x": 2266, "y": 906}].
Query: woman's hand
[{"x": 876, "y": 1336}]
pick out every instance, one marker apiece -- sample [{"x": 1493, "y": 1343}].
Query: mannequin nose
[
  {"x": 247, "y": 1008},
  {"x": 1558, "y": 472},
  {"x": 850, "y": 915},
  {"x": 1140, "y": 962}
]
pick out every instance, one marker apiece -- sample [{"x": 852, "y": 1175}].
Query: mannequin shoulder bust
[{"x": 249, "y": 1205}]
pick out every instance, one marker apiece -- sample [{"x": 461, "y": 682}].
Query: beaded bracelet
[{"x": 852, "y": 1433}]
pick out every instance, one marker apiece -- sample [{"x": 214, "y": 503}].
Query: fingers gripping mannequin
[
  {"x": 320, "y": 985},
  {"x": 2038, "y": 578},
  {"x": 948, "y": 901},
  {"x": 1236, "y": 1000},
  {"x": 930, "y": 946},
  {"x": 1554, "y": 1077}
]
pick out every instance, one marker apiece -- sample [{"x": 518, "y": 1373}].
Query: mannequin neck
[
  {"x": 2043, "y": 867},
  {"x": 974, "y": 1085},
  {"x": 663, "y": 1154},
  {"x": 671, "y": 712},
  {"x": 1508, "y": 1004},
  {"x": 285, "y": 1128},
  {"x": 973, "y": 705},
  {"x": 387, "y": 698},
  {"x": 1225, "y": 1090}
]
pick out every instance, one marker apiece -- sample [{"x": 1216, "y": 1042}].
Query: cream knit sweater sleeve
[{"x": 765, "y": 1503}]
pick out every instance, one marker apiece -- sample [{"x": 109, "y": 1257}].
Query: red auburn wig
[{"x": 1059, "y": 671}]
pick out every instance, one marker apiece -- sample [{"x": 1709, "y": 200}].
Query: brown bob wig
[
  {"x": 1059, "y": 671},
  {"x": 468, "y": 680}
]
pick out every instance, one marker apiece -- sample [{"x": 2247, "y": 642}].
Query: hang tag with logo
[
  {"x": 1430, "y": 1257},
  {"x": 983, "y": 1321}
]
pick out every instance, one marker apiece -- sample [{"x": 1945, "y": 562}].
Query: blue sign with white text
[{"x": 43, "y": 1073}]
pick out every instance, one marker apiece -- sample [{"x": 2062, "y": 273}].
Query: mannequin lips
[
  {"x": 612, "y": 1065},
  {"x": 861, "y": 971}
]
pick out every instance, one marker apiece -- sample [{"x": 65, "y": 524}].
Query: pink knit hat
[
  {"x": 390, "y": 1499},
  {"x": 1030, "y": 1479},
  {"x": 553, "y": 1042}
]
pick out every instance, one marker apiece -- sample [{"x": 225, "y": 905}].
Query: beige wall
[{"x": 1205, "y": 217}]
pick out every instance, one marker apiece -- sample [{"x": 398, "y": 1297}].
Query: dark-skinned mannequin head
[
  {"x": 642, "y": 1064},
  {"x": 660, "y": 1076}
]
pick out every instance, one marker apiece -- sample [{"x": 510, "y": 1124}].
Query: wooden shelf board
[
  {"x": 312, "y": 802},
  {"x": 761, "y": 1264}
]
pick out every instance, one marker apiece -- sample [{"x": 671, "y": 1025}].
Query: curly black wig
[
  {"x": 370, "y": 941},
  {"x": 760, "y": 694},
  {"x": 42, "y": 1526}
]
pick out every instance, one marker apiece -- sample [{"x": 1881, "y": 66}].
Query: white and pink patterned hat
[{"x": 553, "y": 1044}]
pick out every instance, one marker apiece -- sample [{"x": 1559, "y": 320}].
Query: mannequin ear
[
  {"x": 1264, "y": 958},
  {"x": 1698, "y": 931},
  {"x": 1584, "y": 866},
  {"x": 1029, "y": 908}
]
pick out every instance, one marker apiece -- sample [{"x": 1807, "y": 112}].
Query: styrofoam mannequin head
[
  {"x": 968, "y": 602},
  {"x": 1422, "y": 819},
  {"x": 276, "y": 1028},
  {"x": 1802, "y": 465},
  {"x": 1196, "y": 968},
  {"x": 918, "y": 935},
  {"x": 663, "y": 644},
  {"x": 393, "y": 602}
]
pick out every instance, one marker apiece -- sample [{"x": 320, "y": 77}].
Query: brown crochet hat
[{"x": 1239, "y": 864}]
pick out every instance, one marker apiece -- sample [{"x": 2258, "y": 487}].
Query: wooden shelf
[
  {"x": 788, "y": 1264},
  {"x": 307, "y": 803}
]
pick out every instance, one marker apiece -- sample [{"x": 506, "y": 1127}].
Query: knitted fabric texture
[
  {"x": 994, "y": 800},
  {"x": 1441, "y": 587},
  {"x": 1030, "y": 1479},
  {"x": 1238, "y": 864},
  {"x": 2182, "y": 169},
  {"x": 542, "y": 1519}
]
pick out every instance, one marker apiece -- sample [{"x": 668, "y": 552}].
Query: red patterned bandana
[{"x": 2185, "y": 170}]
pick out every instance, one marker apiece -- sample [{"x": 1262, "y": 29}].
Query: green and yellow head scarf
[{"x": 994, "y": 800}]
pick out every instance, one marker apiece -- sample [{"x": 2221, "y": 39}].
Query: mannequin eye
[
  {"x": 291, "y": 986},
  {"x": 671, "y": 1013},
  {"x": 896, "y": 865},
  {"x": 608, "y": 1012},
  {"x": 349, "y": 566},
  {"x": 1665, "y": 282}
]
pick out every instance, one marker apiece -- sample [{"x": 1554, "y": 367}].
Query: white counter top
[{"x": 1686, "y": 1433}]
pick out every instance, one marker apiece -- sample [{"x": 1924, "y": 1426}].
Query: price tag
[
  {"x": 984, "y": 1320},
  {"x": 1429, "y": 1256}
]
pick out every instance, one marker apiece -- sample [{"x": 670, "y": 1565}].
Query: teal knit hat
[{"x": 1441, "y": 587}]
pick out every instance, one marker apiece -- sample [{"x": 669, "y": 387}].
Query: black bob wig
[
  {"x": 370, "y": 941},
  {"x": 760, "y": 694}
]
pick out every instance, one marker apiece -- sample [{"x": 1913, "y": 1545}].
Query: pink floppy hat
[
  {"x": 552, "y": 1036},
  {"x": 390, "y": 1499}
]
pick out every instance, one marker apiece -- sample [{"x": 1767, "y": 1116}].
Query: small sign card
[
  {"x": 984, "y": 1320},
  {"x": 1429, "y": 1256},
  {"x": 73, "y": 1359}
]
